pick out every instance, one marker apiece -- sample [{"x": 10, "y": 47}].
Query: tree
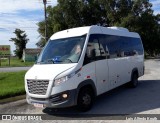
[
  {"x": 136, "y": 15},
  {"x": 142, "y": 20},
  {"x": 69, "y": 14},
  {"x": 20, "y": 41}
]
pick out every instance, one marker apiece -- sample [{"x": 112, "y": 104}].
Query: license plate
[{"x": 38, "y": 105}]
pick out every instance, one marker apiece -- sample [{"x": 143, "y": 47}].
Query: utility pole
[{"x": 45, "y": 16}]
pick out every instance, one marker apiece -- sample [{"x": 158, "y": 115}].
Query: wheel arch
[
  {"x": 135, "y": 70},
  {"x": 86, "y": 83}
]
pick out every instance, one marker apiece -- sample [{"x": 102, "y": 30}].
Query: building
[{"x": 31, "y": 54}]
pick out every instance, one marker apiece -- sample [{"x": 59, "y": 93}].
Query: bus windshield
[{"x": 62, "y": 51}]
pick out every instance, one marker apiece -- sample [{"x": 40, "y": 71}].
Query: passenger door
[
  {"x": 101, "y": 64},
  {"x": 118, "y": 64}
]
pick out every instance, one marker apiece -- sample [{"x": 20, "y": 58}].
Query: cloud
[
  {"x": 155, "y": 2},
  {"x": 9, "y": 23},
  {"x": 156, "y": 6},
  {"x": 15, "y": 21},
  {"x": 13, "y": 6},
  {"x": 23, "y": 14},
  {"x": 157, "y": 12}
]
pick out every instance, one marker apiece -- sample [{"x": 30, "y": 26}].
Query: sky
[
  {"x": 22, "y": 14},
  {"x": 25, "y": 14}
]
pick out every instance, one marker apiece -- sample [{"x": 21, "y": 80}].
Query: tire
[
  {"x": 85, "y": 99},
  {"x": 134, "y": 80}
]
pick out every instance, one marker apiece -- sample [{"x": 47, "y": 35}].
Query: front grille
[{"x": 37, "y": 86}]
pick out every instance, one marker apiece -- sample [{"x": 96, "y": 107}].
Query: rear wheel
[
  {"x": 85, "y": 99},
  {"x": 134, "y": 80}
]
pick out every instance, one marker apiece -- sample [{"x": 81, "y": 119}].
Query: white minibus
[{"x": 78, "y": 64}]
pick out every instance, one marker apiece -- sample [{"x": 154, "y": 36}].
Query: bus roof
[{"x": 79, "y": 31}]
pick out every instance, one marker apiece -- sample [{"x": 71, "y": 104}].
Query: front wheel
[
  {"x": 134, "y": 80},
  {"x": 85, "y": 99}
]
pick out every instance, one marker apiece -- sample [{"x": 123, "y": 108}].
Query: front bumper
[{"x": 55, "y": 101}]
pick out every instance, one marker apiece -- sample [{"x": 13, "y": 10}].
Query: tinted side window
[
  {"x": 131, "y": 46},
  {"x": 101, "y": 46},
  {"x": 120, "y": 46},
  {"x": 127, "y": 46},
  {"x": 137, "y": 46},
  {"x": 95, "y": 50},
  {"x": 113, "y": 44}
]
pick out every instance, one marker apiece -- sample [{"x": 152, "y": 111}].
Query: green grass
[
  {"x": 15, "y": 62},
  {"x": 11, "y": 84}
]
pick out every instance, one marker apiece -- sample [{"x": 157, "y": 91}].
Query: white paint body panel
[
  {"x": 46, "y": 72},
  {"x": 106, "y": 74}
]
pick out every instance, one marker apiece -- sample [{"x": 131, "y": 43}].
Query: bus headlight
[
  {"x": 60, "y": 80},
  {"x": 65, "y": 78}
]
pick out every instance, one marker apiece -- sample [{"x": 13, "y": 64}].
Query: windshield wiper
[
  {"x": 50, "y": 61},
  {"x": 53, "y": 61},
  {"x": 40, "y": 62},
  {"x": 69, "y": 60}
]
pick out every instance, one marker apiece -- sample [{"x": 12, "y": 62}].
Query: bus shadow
[{"x": 121, "y": 100}]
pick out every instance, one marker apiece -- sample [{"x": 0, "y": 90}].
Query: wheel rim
[{"x": 86, "y": 99}]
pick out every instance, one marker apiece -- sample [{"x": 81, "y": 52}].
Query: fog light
[{"x": 64, "y": 96}]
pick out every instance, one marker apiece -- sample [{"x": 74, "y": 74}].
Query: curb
[{"x": 12, "y": 99}]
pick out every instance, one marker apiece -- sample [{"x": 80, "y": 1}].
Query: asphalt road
[
  {"x": 145, "y": 99},
  {"x": 13, "y": 69}
]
